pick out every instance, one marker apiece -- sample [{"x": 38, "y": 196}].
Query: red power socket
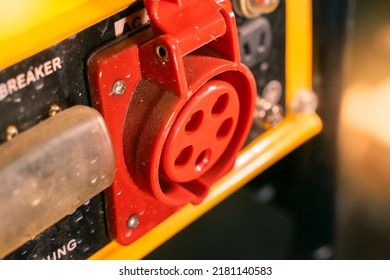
[{"x": 179, "y": 106}]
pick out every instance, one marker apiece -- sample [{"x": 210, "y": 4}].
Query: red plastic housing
[{"x": 186, "y": 110}]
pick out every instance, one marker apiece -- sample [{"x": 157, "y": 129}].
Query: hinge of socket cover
[{"x": 195, "y": 23}]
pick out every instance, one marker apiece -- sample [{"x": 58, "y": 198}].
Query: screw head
[
  {"x": 275, "y": 116},
  {"x": 304, "y": 101},
  {"x": 11, "y": 132},
  {"x": 267, "y": 115},
  {"x": 133, "y": 222},
  {"x": 119, "y": 88},
  {"x": 272, "y": 92},
  {"x": 54, "y": 110}
]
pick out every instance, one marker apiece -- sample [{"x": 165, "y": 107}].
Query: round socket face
[{"x": 202, "y": 132}]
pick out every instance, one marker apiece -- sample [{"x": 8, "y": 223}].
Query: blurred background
[{"x": 329, "y": 199}]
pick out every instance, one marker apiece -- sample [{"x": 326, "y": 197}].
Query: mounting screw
[
  {"x": 11, "y": 133},
  {"x": 272, "y": 92},
  {"x": 275, "y": 116},
  {"x": 304, "y": 101},
  {"x": 119, "y": 88},
  {"x": 133, "y": 222},
  {"x": 54, "y": 110},
  {"x": 266, "y": 114}
]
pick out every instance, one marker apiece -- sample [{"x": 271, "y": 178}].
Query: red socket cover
[{"x": 179, "y": 106}]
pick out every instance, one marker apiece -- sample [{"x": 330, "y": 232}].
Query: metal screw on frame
[
  {"x": 133, "y": 222},
  {"x": 272, "y": 92},
  {"x": 268, "y": 113},
  {"x": 118, "y": 88},
  {"x": 304, "y": 101},
  {"x": 54, "y": 110},
  {"x": 12, "y": 132}
]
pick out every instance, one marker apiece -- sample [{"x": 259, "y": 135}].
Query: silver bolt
[
  {"x": 133, "y": 222},
  {"x": 263, "y": 104},
  {"x": 272, "y": 92},
  {"x": 304, "y": 101},
  {"x": 118, "y": 88},
  {"x": 275, "y": 116},
  {"x": 266, "y": 114},
  {"x": 54, "y": 110},
  {"x": 11, "y": 133}
]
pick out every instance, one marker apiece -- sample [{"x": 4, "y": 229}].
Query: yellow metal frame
[{"x": 29, "y": 26}]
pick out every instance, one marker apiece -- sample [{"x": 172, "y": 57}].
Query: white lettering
[
  {"x": 11, "y": 84},
  {"x": 31, "y": 76},
  {"x": 49, "y": 257},
  {"x": 71, "y": 245},
  {"x": 62, "y": 251},
  {"x": 3, "y": 91},
  {"x": 47, "y": 68},
  {"x": 119, "y": 27},
  {"x": 39, "y": 72},
  {"x": 56, "y": 64},
  {"x": 21, "y": 81},
  {"x": 131, "y": 22}
]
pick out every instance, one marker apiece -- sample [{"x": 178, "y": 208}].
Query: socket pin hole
[
  {"x": 202, "y": 160},
  {"x": 195, "y": 121},
  {"x": 184, "y": 157},
  {"x": 220, "y": 105},
  {"x": 225, "y": 129}
]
